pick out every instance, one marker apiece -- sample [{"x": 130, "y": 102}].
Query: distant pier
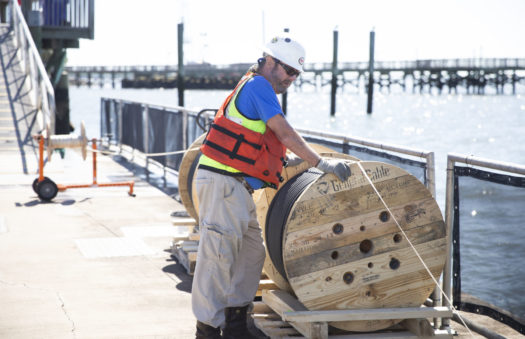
[{"x": 419, "y": 76}]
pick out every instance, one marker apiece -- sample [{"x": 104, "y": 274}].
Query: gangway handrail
[{"x": 33, "y": 67}]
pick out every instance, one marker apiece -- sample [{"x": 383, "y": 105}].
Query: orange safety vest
[{"x": 254, "y": 154}]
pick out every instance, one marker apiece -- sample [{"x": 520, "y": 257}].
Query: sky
[{"x": 133, "y": 32}]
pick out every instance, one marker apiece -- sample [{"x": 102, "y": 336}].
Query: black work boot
[
  {"x": 207, "y": 332},
  {"x": 236, "y": 327}
]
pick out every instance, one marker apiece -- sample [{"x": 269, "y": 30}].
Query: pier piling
[
  {"x": 334, "y": 73},
  {"x": 371, "y": 74},
  {"x": 180, "y": 73}
]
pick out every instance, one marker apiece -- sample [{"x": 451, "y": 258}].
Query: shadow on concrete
[
  {"x": 168, "y": 185},
  {"x": 36, "y": 202},
  {"x": 179, "y": 271}
]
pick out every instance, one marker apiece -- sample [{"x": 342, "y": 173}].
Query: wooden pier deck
[{"x": 473, "y": 74}]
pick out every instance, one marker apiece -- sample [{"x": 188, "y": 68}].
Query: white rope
[
  {"x": 146, "y": 154},
  {"x": 415, "y": 250}
]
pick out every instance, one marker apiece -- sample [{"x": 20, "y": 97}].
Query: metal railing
[
  {"x": 42, "y": 93},
  {"x": 430, "y": 175},
  {"x": 451, "y": 210},
  {"x": 160, "y": 133},
  {"x": 68, "y": 19}
]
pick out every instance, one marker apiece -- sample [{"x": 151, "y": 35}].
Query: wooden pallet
[
  {"x": 285, "y": 317},
  {"x": 184, "y": 249}
]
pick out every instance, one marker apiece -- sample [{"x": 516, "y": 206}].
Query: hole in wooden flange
[
  {"x": 398, "y": 238},
  {"x": 338, "y": 228},
  {"x": 334, "y": 255},
  {"x": 370, "y": 265},
  {"x": 384, "y": 216},
  {"x": 365, "y": 246},
  {"x": 348, "y": 277},
  {"x": 368, "y": 293},
  {"x": 394, "y": 264},
  {"x": 328, "y": 278},
  {"x": 362, "y": 228}
]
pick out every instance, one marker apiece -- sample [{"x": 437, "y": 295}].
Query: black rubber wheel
[
  {"x": 35, "y": 183},
  {"x": 46, "y": 189}
]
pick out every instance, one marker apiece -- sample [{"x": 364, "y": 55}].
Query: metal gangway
[{"x": 27, "y": 99}]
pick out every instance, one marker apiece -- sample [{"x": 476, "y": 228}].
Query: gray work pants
[{"x": 231, "y": 251}]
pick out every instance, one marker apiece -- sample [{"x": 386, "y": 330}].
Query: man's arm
[{"x": 292, "y": 140}]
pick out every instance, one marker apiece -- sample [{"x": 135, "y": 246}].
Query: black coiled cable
[{"x": 278, "y": 213}]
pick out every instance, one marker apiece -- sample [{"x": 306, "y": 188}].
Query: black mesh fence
[
  {"x": 132, "y": 127},
  {"x": 157, "y": 133},
  {"x": 174, "y": 139},
  {"x": 151, "y": 129},
  {"x": 489, "y": 245},
  {"x": 109, "y": 122}
]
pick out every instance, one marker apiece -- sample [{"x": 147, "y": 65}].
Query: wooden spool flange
[
  {"x": 187, "y": 170},
  {"x": 341, "y": 249}
]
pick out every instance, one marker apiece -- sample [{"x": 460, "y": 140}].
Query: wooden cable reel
[
  {"x": 187, "y": 170},
  {"x": 336, "y": 246}
]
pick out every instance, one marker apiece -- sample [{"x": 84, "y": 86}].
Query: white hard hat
[{"x": 287, "y": 50}]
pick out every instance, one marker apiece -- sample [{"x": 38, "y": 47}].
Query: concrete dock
[{"x": 93, "y": 263}]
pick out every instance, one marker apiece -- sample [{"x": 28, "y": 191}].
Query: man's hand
[
  {"x": 293, "y": 160},
  {"x": 338, "y": 167}
]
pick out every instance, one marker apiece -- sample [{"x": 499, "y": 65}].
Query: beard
[{"x": 280, "y": 86}]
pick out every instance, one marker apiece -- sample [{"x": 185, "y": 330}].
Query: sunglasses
[{"x": 289, "y": 70}]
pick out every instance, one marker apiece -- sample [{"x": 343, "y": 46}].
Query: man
[{"x": 244, "y": 150}]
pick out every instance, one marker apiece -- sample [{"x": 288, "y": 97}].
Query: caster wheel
[
  {"x": 46, "y": 189},
  {"x": 35, "y": 183}
]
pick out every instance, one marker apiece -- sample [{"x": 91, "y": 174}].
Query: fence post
[
  {"x": 145, "y": 131},
  {"x": 119, "y": 119},
  {"x": 180, "y": 73}
]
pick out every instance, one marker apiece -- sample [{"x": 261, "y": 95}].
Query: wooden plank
[
  {"x": 347, "y": 202},
  {"x": 368, "y": 314},
  {"x": 183, "y": 222},
  {"x": 281, "y": 302},
  {"x": 271, "y": 324},
  {"x": 360, "y": 227},
  {"x": 275, "y": 328},
  {"x": 266, "y": 284},
  {"x": 325, "y": 287},
  {"x": 194, "y": 236},
  {"x": 187, "y": 259},
  {"x": 334, "y": 256}
]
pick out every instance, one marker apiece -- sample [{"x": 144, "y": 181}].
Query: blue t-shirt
[{"x": 257, "y": 100}]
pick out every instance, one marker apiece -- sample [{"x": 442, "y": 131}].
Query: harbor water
[{"x": 488, "y": 126}]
